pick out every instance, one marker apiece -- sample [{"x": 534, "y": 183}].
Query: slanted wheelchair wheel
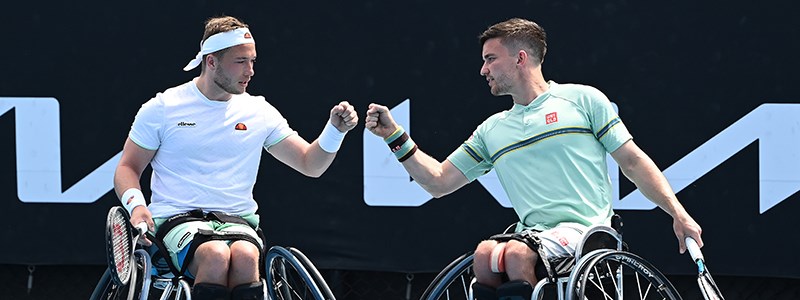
[
  {"x": 598, "y": 277},
  {"x": 291, "y": 276},
  {"x": 453, "y": 282},
  {"x": 107, "y": 289}
]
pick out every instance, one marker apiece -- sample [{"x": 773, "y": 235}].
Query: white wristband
[
  {"x": 132, "y": 198},
  {"x": 331, "y": 138}
]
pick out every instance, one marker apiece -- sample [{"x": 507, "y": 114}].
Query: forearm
[
  {"x": 125, "y": 178},
  {"x": 316, "y": 161},
  {"x": 437, "y": 178},
  {"x": 644, "y": 173},
  {"x": 128, "y": 189},
  {"x": 427, "y": 172},
  {"x": 319, "y": 155}
]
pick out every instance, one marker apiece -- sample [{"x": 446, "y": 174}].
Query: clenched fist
[
  {"x": 344, "y": 117},
  {"x": 379, "y": 121}
]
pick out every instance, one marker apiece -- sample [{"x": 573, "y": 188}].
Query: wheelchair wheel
[
  {"x": 601, "y": 276},
  {"x": 453, "y": 282},
  {"x": 291, "y": 276},
  {"x": 106, "y": 289}
]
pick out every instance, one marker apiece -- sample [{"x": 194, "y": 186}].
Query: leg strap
[
  {"x": 483, "y": 292},
  {"x": 209, "y": 291},
  {"x": 515, "y": 290},
  {"x": 248, "y": 291}
]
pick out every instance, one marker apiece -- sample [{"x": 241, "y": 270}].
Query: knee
[
  {"x": 244, "y": 251},
  {"x": 484, "y": 250},
  {"x": 214, "y": 252},
  {"x": 517, "y": 252},
  {"x": 483, "y": 254}
]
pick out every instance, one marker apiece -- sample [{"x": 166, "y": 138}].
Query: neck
[
  {"x": 205, "y": 83},
  {"x": 533, "y": 85}
]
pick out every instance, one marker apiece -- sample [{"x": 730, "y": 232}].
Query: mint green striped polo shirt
[{"x": 550, "y": 155}]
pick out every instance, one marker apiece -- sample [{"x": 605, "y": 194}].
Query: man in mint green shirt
[{"x": 549, "y": 152}]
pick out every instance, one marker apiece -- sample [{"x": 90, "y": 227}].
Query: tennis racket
[
  {"x": 120, "y": 242},
  {"x": 708, "y": 288}
]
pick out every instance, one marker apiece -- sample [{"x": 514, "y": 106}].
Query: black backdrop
[{"x": 679, "y": 71}]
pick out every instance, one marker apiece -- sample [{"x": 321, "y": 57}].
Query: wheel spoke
[
  {"x": 646, "y": 282},
  {"x": 454, "y": 282},
  {"x": 290, "y": 276}
]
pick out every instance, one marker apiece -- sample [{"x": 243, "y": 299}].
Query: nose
[
  {"x": 484, "y": 70},
  {"x": 250, "y": 70}
]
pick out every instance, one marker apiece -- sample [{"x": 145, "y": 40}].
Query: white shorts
[
  {"x": 556, "y": 246},
  {"x": 562, "y": 240}
]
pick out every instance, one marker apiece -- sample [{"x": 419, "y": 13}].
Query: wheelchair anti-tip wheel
[{"x": 291, "y": 276}]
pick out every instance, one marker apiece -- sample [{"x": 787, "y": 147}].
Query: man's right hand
[
  {"x": 379, "y": 121},
  {"x": 142, "y": 214}
]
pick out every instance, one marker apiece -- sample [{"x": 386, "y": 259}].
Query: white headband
[{"x": 220, "y": 41}]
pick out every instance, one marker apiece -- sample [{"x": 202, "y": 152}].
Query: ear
[
  {"x": 522, "y": 58},
  {"x": 211, "y": 61}
]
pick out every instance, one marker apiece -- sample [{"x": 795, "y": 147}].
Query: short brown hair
[
  {"x": 219, "y": 24},
  {"x": 222, "y": 24},
  {"x": 519, "y": 34}
]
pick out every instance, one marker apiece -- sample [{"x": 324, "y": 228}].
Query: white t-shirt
[{"x": 207, "y": 152}]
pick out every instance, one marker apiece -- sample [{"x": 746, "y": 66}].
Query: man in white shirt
[{"x": 203, "y": 140}]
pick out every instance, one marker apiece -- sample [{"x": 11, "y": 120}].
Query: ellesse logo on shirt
[{"x": 240, "y": 126}]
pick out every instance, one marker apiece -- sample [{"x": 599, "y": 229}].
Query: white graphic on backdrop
[
  {"x": 38, "y": 144},
  {"x": 776, "y": 127}
]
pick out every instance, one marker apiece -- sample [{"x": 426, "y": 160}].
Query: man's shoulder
[
  {"x": 573, "y": 90},
  {"x": 253, "y": 102},
  {"x": 250, "y": 99},
  {"x": 493, "y": 120},
  {"x": 173, "y": 94}
]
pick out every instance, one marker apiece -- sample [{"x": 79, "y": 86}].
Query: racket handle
[
  {"x": 142, "y": 228},
  {"x": 694, "y": 249}
]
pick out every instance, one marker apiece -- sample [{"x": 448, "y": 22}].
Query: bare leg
[
  {"x": 481, "y": 265},
  {"x": 244, "y": 264},
  {"x": 520, "y": 262},
  {"x": 210, "y": 263}
]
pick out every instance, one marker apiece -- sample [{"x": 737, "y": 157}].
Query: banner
[{"x": 709, "y": 94}]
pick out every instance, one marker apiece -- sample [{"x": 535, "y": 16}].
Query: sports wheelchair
[
  {"x": 602, "y": 264},
  {"x": 287, "y": 275}
]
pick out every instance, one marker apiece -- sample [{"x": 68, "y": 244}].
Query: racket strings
[{"x": 121, "y": 244}]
